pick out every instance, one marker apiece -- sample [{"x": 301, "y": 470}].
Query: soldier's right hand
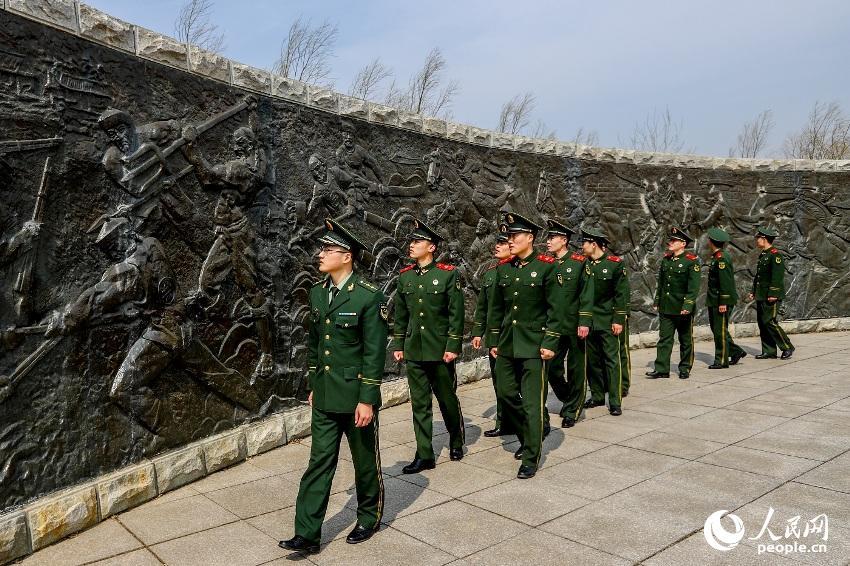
[
  {"x": 310, "y": 398},
  {"x": 494, "y": 352},
  {"x": 583, "y": 331},
  {"x": 189, "y": 133},
  {"x": 398, "y": 355},
  {"x": 476, "y": 342},
  {"x": 722, "y": 309}
]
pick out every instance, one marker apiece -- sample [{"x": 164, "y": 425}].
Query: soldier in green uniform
[
  {"x": 427, "y": 335},
  {"x": 675, "y": 301},
  {"x": 570, "y": 387},
  {"x": 720, "y": 299},
  {"x": 523, "y": 325},
  {"x": 346, "y": 355},
  {"x": 502, "y": 252},
  {"x": 768, "y": 292},
  {"x": 602, "y": 313}
]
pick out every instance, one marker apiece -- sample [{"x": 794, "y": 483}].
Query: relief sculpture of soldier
[
  {"x": 234, "y": 248},
  {"x": 142, "y": 285},
  {"x": 357, "y": 170}
]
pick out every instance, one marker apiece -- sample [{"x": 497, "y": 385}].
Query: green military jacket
[
  {"x": 429, "y": 312},
  {"x": 678, "y": 283},
  {"x": 570, "y": 274},
  {"x": 523, "y": 307},
  {"x": 347, "y": 345},
  {"x": 605, "y": 296},
  {"x": 770, "y": 275},
  {"x": 482, "y": 306},
  {"x": 721, "y": 281}
]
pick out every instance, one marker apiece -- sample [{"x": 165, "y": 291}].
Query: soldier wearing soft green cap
[
  {"x": 345, "y": 356},
  {"x": 768, "y": 292},
  {"x": 721, "y": 297},
  {"x": 603, "y": 314},
  {"x": 480, "y": 337},
  {"x": 675, "y": 301},
  {"x": 524, "y": 324},
  {"x": 429, "y": 315}
]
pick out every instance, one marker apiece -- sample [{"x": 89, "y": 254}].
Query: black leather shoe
[
  {"x": 590, "y": 403},
  {"x": 625, "y": 393},
  {"x": 518, "y": 453},
  {"x": 787, "y": 354},
  {"x": 299, "y": 544},
  {"x": 526, "y": 472},
  {"x": 493, "y": 432},
  {"x": 568, "y": 422},
  {"x": 456, "y": 454},
  {"x": 360, "y": 534},
  {"x": 657, "y": 375},
  {"x": 737, "y": 358},
  {"x": 417, "y": 465},
  {"x": 765, "y": 357},
  {"x": 717, "y": 366},
  {"x": 684, "y": 375},
  {"x": 616, "y": 411},
  {"x": 547, "y": 428}
]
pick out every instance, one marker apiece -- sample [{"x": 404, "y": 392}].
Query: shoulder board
[
  {"x": 774, "y": 251},
  {"x": 578, "y": 257},
  {"x": 718, "y": 254},
  {"x": 614, "y": 258},
  {"x": 691, "y": 257},
  {"x": 506, "y": 260},
  {"x": 445, "y": 267},
  {"x": 546, "y": 258},
  {"x": 408, "y": 268},
  {"x": 668, "y": 255},
  {"x": 368, "y": 286}
]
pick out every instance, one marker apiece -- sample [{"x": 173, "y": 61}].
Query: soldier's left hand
[
  {"x": 363, "y": 415},
  {"x": 546, "y": 354},
  {"x": 449, "y": 357},
  {"x": 771, "y": 299},
  {"x": 685, "y": 312},
  {"x": 617, "y": 329}
]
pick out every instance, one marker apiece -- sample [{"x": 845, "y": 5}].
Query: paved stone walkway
[{"x": 612, "y": 490}]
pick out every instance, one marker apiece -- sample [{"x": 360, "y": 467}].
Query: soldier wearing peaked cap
[
  {"x": 429, "y": 316},
  {"x": 524, "y": 325},
  {"x": 571, "y": 386},
  {"x": 346, "y": 356},
  {"x": 721, "y": 297},
  {"x": 675, "y": 300},
  {"x": 502, "y": 253},
  {"x": 768, "y": 292},
  {"x": 603, "y": 312}
]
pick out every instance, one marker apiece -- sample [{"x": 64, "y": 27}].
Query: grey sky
[{"x": 600, "y": 65}]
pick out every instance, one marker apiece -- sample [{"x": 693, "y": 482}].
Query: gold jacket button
[
  {"x": 327, "y": 321},
  {"x": 422, "y": 328},
  {"x": 327, "y": 352},
  {"x": 513, "y": 322},
  {"x": 327, "y": 336},
  {"x": 327, "y": 368}
]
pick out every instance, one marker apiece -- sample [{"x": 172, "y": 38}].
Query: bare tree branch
[
  {"x": 659, "y": 132},
  {"x": 426, "y": 92},
  {"x": 826, "y": 135},
  {"x": 368, "y": 79},
  {"x": 516, "y": 113},
  {"x": 753, "y": 137},
  {"x": 542, "y": 131},
  {"x": 306, "y": 52},
  {"x": 583, "y": 137},
  {"x": 193, "y": 26}
]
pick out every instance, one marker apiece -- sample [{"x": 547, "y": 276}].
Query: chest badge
[
  {"x": 534, "y": 274},
  {"x": 436, "y": 281},
  {"x": 351, "y": 287}
]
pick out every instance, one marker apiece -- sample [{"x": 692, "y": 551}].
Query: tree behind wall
[
  {"x": 826, "y": 135},
  {"x": 193, "y": 26},
  {"x": 306, "y": 51}
]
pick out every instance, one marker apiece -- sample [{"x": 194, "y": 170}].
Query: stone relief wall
[{"x": 157, "y": 232}]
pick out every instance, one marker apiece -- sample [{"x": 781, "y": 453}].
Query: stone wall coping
[
  {"x": 91, "y": 24},
  {"x": 88, "y": 503}
]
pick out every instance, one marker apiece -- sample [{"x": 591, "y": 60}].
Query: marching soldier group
[{"x": 559, "y": 320}]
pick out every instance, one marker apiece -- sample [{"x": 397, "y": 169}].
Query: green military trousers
[
  {"x": 522, "y": 390},
  {"x": 570, "y": 386},
  {"x": 724, "y": 346},
  {"x": 625, "y": 358},
  {"x": 439, "y": 378},
  {"x": 668, "y": 325},
  {"x": 608, "y": 370},
  {"x": 770, "y": 332},
  {"x": 500, "y": 424},
  {"x": 312, "y": 503}
]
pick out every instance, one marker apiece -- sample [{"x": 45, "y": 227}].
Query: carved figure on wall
[{"x": 234, "y": 251}]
